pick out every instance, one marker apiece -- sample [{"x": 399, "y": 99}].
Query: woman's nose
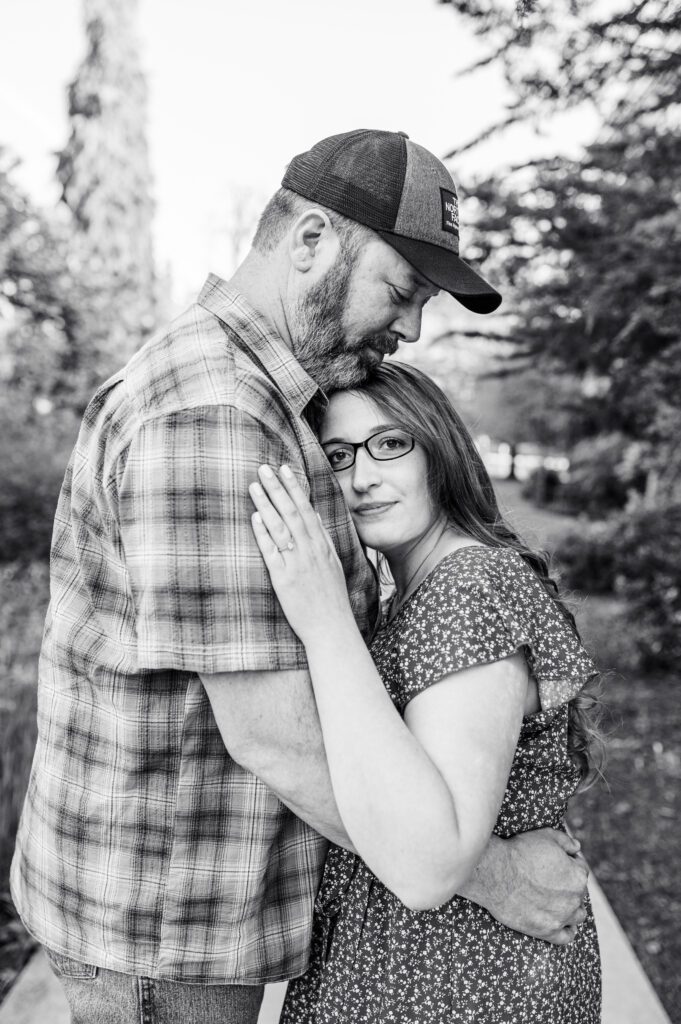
[{"x": 365, "y": 471}]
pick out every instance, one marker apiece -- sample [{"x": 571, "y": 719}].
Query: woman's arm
[{"x": 419, "y": 798}]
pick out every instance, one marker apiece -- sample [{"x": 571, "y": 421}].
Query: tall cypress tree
[{"x": 106, "y": 181}]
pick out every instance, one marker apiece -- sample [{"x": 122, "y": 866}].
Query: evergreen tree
[
  {"x": 104, "y": 172},
  {"x": 588, "y": 250}
]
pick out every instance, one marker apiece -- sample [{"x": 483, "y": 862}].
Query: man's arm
[
  {"x": 534, "y": 882},
  {"x": 269, "y": 725}
]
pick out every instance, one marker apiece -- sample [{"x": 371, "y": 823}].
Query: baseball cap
[{"x": 402, "y": 192}]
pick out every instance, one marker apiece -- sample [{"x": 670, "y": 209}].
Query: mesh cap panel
[{"x": 359, "y": 174}]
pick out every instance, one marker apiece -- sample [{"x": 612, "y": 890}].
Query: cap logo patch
[{"x": 450, "y": 212}]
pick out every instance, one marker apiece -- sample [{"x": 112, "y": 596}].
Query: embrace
[{"x": 249, "y": 769}]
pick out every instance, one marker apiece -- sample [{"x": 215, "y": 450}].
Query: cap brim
[{"x": 446, "y": 270}]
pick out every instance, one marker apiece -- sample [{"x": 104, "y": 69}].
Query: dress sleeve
[
  {"x": 202, "y": 595},
  {"x": 478, "y": 608}
]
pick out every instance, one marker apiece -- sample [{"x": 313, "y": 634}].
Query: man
[{"x": 158, "y": 859}]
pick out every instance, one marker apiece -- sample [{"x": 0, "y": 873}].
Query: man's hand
[{"x": 534, "y": 882}]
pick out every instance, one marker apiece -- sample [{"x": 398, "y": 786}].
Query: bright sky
[{"x": 237, "y": 87}]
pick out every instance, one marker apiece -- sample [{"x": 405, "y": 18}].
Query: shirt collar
[{"x": 262, "y": 340}]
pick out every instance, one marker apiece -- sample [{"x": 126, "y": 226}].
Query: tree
[
  {"x": 106, "y": 181},
  {"x": 623, "y": 58},
  {"x": 588, "y": 249}
]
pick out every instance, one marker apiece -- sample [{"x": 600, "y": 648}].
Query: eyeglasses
[{"x": 382, "y": 446}]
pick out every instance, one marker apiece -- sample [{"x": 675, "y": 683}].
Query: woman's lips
[{"x": 372, "y": 509}]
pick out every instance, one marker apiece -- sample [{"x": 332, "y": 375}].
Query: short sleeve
[
  {"x": 481, "y": 605},
  {"x": 201, "y": 592}
]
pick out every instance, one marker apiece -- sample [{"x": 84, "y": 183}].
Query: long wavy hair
[{"x": 461, "y": 488}]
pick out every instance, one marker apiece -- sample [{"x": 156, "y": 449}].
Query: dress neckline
[{"x": 429, "y": 575}]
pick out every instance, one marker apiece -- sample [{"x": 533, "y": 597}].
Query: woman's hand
[{"x": 305, "y": 570}]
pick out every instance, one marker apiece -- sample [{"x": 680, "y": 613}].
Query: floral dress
[{"x": 372, "y": 959}]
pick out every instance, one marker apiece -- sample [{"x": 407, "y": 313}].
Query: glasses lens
[
  {"x": 390, "y": 444},
  {"x": 341, "y": 456}
]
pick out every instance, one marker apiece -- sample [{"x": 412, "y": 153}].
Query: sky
[{"x": 237, "y": 87}]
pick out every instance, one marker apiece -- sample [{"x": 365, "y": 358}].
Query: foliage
[
  {"x": 624, "y": 58},
  {"x": 588, "y": 559},
  {"x": 629, "y": 827},
  {"x": 649, "y": 577},
  {"x": 44, "y": 295},
  {"x": 603, "y": 474},
  {"x": 33, "y": 458},
  {"x": 637, "y": 556},
  {"x": 588, "y": 250},
  {"x": 106, "y": 180},
  {"x": 542, "y": 486},
  {"x": 77, "y": 289},
  {"x": 25, "y": 589}
]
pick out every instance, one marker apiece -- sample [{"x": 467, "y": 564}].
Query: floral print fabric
[{"x": 372, "y": 959}]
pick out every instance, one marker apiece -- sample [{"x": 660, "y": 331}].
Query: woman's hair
[{"x": 460, "y": 486}]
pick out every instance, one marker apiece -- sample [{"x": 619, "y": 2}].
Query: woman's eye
[
  {"x": 392, "y": 443},
  {"x": 338, "y": 457}
]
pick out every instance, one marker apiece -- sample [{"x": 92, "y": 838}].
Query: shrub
[
  {"x": 649, "y": 577},
  {"x": 587, "y": 558},
  {"x": 603, "y": 473},
  {"x": 33, "y": 458},
  {"x": 542, "y": 486},
  {"x": 637, "y": 556}
]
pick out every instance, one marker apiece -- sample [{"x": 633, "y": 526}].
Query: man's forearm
[
  {"x": 270, "y": 726},
  {"x": 490, "y": 874},
  {"x": 313, "y": 801}
]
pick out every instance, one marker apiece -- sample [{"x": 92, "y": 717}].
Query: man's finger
[{"x": 568, "y": 843}]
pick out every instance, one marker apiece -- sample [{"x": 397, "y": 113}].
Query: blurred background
[{"x": 139, "y": 140}]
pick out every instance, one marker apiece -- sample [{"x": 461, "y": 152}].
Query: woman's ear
[{"x": 312, "y": 241}]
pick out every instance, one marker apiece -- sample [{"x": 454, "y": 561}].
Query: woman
[{"x": 464, "y": 719}]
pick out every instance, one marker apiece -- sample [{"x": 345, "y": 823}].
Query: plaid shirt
[{"x": 143, "y": 847}]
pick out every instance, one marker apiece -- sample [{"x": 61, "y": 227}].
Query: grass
[
  {"x": 629, "y": 830},
  {"x": 25, "y": 590},
  {"x": 629, "y": 825}
]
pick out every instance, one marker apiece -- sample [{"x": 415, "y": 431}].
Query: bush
[
  {"x": 649, "y": 578},
  {"x": 604, "y": 470},
  {"x": 542, "y": 486},
  {"x": 33, "y": 458},
  {"x": 637, "y": 556},
  {"x": 588, "y": 558}
]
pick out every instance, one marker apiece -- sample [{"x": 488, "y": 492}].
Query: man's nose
[
  {"x": 408, "y": 324},
  {"x": 365, "y": 471}
]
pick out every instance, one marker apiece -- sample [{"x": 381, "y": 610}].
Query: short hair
[{"x": 286, "y": 206}]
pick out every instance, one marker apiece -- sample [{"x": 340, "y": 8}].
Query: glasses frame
[{"x": 356, "y": 445}]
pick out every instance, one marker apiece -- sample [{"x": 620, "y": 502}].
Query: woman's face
[{"x": 389, "y": 500}]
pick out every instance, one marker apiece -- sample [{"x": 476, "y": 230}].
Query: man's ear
[{"x": 312, "y": 240}]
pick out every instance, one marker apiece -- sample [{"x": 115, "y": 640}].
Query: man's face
[{"x": 346, "y": 323}]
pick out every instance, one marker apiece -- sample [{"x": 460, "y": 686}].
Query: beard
[{"x": 320, "y": 343}]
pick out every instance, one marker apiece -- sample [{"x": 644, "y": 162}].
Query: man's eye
[{"x": 399, "y": 297}]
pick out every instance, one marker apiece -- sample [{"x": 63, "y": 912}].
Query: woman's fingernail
[
  {"x": 286, "y": 471},
  {"x": 257, "y": 518},
  {"x": 266, "y": 471}
]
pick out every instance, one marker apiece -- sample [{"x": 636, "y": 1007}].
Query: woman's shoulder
[{"x": 475, "y": 567}]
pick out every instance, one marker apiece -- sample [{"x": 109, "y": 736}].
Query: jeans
[{"x": 99, "y": 996}]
